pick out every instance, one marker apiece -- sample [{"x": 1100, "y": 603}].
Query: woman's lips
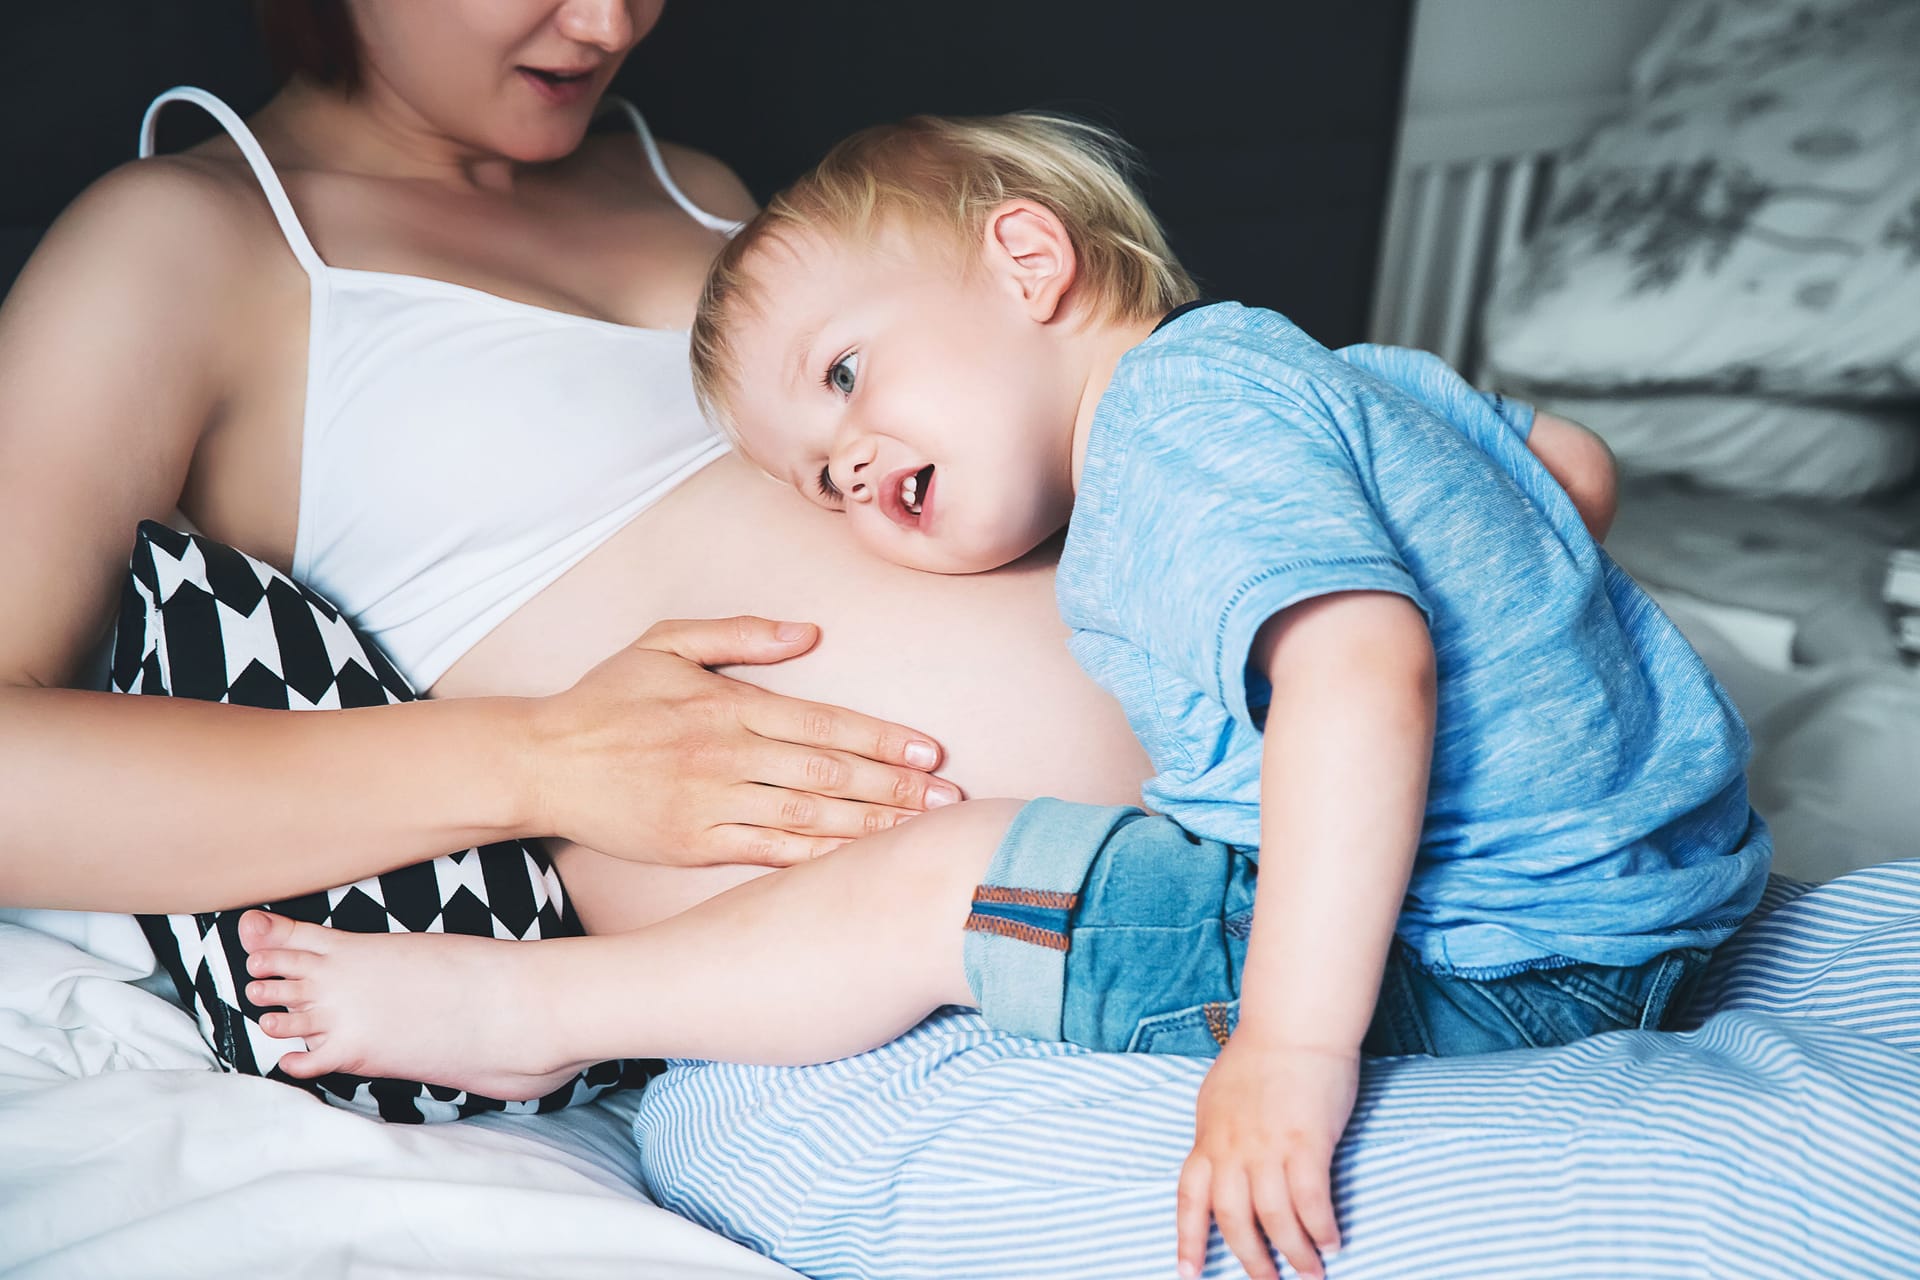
[{"x": 561, "y": 88}]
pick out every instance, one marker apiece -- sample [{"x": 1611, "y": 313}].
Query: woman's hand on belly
[
  {"x": 652, "y": 757},
  {"x": 980, "y": 663}
]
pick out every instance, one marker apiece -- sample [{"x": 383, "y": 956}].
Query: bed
[{"x": 123, "y": 1151}]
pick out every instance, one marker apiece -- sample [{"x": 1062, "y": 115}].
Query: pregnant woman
[{"x": 414, "y": 336}]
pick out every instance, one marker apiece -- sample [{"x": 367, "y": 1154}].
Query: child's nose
[{"x": 854, "y": 460}]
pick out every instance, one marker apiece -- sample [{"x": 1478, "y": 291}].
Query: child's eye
[
  {"x": 828, "y": 490},
  {"x": 843, "y": 373}
]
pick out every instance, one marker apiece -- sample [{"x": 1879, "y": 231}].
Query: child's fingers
[
  {"x": 1279, "y": 1218},
  {"x": 1311, "y": 1188},
  {"x": 1193, "y": 1215},
  {"x": 1239, "y": 1227}
]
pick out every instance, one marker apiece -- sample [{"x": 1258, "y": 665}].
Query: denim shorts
[{"x": 1118, "y": 930}]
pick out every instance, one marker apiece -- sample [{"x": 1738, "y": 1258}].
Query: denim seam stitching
[{"x": 1018, "y": 931}]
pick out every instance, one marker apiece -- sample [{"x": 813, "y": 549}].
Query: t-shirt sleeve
[
  {"x": 1435, "y": 383},
  {"x": 1232, "y": 512}
]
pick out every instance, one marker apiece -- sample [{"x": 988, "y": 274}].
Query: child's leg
[
  {"x": 1116, "y": 930},
  {"x": 1112, "y": 929},
  {"x": 809, "y": 964}
]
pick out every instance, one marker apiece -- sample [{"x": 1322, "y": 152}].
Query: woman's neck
[{"x": 372, "y": 132}]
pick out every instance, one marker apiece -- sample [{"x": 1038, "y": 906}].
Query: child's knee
[{"x": 939, "y": 857}]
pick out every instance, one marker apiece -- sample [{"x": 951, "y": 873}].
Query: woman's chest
[
  {"x": 576, "y": 247},
  {"x": 445, "y": 342}
]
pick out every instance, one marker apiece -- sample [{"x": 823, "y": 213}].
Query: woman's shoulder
[
  {"x": 705, "y": 179},
  {"x": 708, "y": 182},
  {"x": 197, "y": 210}
]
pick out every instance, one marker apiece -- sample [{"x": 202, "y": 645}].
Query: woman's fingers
[
  {"x": 806, "y": 814},
  {"x": 654, "y": 757},
  {"x": 720, "y": 642},
  {"x": 815, "y": 724},
  {"x": 767, "y": 846},
  {"x": 824, "y": 771}
]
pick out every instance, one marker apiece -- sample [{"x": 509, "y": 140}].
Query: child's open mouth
[
  {"x": 906, "y": 497},
  {"x": 914, "y": 488}
]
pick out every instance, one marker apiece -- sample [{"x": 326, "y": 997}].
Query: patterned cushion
[{"x": 201, "y": 620}]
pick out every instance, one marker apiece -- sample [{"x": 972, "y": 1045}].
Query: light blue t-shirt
[{"x": 1588, "y": 798}]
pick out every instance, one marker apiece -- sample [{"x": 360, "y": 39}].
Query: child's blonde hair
[{"x": 946, "y": 171}]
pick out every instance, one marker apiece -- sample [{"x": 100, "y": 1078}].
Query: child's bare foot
[{"x": 440, "y": 1008}]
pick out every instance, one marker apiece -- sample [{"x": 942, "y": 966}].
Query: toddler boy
[{"x": 1369, "y": 644}]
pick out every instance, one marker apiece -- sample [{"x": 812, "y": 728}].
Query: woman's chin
[{"x": 542, "y": 146}]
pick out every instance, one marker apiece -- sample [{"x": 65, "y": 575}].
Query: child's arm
[
  {"x": 1349, "y": 738},
  {"x": 1582, "y": 464}
]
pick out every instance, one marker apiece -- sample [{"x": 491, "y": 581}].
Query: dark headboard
[{"x": 1268, "y": 125}]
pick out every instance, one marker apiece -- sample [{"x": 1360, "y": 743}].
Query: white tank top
[{"x": 462, "y": 450}]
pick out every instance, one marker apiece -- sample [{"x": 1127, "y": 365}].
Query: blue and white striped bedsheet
[{"x": 1780, "y": 1137}]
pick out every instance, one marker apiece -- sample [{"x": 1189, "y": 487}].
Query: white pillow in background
[
  {"x": 1754, "y": 445},
  {"x": 1751, "y": 224}
]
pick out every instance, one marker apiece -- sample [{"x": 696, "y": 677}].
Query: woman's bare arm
[{"x": 112, "y": 368}]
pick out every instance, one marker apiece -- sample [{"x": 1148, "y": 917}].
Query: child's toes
[
  {"x": 264, "y": 931},
  {"x": 280, "y": 964},
  {"x": 282, "y": 994},
  {"x": 289, "y": 1026},
  {"x": 305, "y": 1066},
  {"x": 261, "y": 929},
  {"x": 323, "y": 1056}
]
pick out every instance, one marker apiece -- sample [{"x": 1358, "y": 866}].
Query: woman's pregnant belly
[{"x": 979, "y": 662}]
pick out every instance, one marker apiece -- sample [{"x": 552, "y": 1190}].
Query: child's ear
[{"x": 1029, "y": 250}]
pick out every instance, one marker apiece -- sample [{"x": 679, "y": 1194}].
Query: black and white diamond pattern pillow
[{"x": 201, "y": 620}]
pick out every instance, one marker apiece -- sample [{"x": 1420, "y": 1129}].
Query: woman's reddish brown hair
[{"x": 311, "y": 38}]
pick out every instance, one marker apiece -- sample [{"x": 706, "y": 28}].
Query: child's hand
[{"x": 1267, "y": 1121}]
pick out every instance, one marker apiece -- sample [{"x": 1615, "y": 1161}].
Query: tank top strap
[
  {"x": 256, "y": 160},
  {"x": 712, "y": 222}
]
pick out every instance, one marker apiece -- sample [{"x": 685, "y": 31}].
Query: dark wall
[
  {"x": 75, "y": 77},
  {"x": 1267, "y": 125}
]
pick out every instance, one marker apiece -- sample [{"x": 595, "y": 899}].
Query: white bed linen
[
  {"x": 1836, "y": 747},
  {"x": 123, "y": 1152}
]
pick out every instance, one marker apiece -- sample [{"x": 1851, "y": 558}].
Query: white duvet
[{"x": 124, "y": 1152}]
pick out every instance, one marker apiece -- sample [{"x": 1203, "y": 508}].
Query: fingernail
[
  {"x": 1189, "y": 1272},
  {"x": 790, "y": 631},
  {"x": 922, "y": 755},
  {"x": 940, "y": 797}
]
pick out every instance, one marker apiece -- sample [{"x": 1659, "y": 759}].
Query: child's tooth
[{"x": 910, "y": 489}]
